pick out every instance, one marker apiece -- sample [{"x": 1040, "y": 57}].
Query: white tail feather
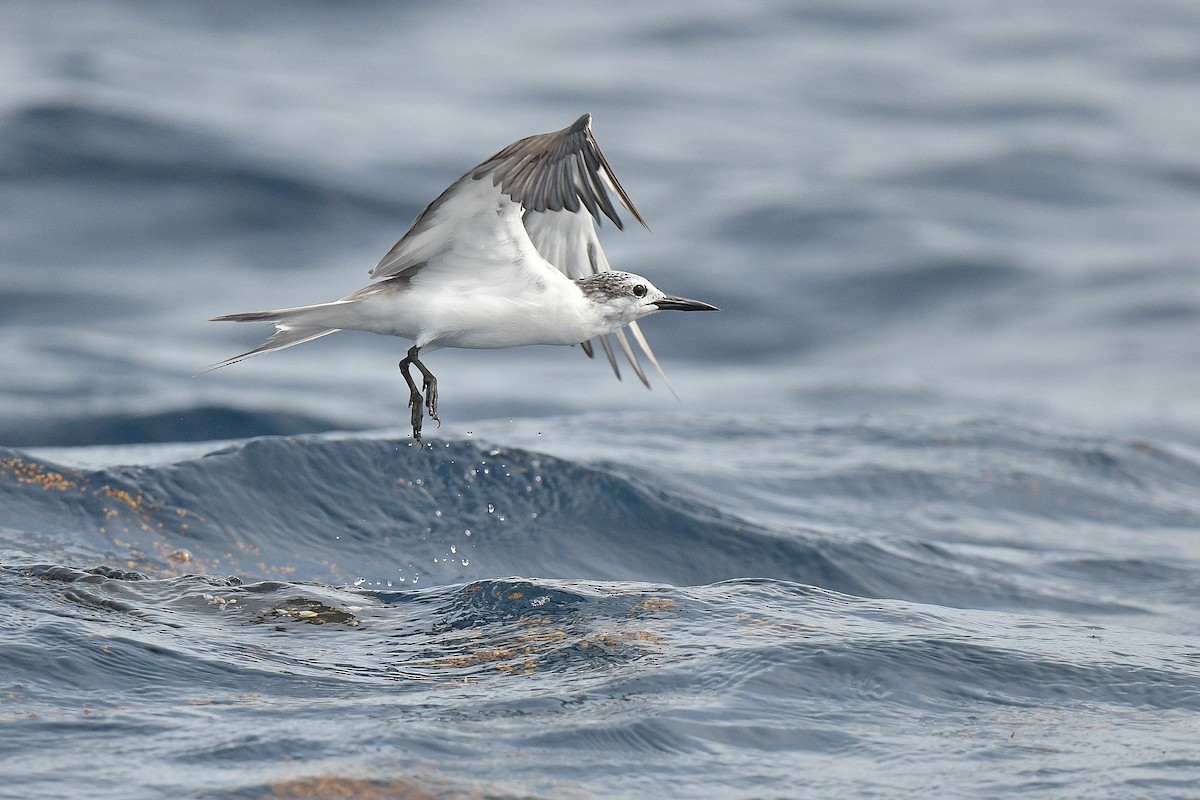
[{"x": 286, "y": 334}]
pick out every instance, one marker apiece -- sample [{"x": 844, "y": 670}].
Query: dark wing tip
[
  {"x": 560, "y": 170},
  {"x": 249, "y": 316}
]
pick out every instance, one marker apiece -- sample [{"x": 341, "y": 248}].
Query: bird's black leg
[
  {"x": 429, "y": 385},
  {"x": 414, "y": 396}
]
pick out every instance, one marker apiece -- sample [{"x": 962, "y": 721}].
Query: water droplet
[
  {"x": 453, "y": 548},
  {"x": 466, "y": 562},
  {"x": 491, "y": 509},
  {"x": 467, "y": 532},
  {"x": 437, "y": 513}
]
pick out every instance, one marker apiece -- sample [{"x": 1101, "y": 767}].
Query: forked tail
[{"x": 290, "y": 329}]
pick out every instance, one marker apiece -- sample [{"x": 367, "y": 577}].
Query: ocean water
[{"x": 923, "y": 521}]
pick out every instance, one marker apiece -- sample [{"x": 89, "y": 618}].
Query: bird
[{"x": 507, "y": 256}]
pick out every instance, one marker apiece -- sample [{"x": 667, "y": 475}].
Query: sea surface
[{"x": 924, "y": 520}]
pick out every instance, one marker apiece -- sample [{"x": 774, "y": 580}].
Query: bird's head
[{"x": 622, "y": 298}]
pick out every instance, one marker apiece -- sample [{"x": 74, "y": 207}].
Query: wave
[
  {"x": 177, "y": 182},
  {"x": 293, "y": 639},
  {"x": 190, "y": 424},
  {"x": 339, "y": 510},
  {"x": 77, "y": 141},
  {"x": 201, "y": 669},
  {"x": 962, "y": 517}
]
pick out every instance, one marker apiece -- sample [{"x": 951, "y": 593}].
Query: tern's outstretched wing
[{"x": 561, "y": 181}]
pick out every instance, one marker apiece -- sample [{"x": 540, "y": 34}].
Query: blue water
[{"x": 923, "y": 522}]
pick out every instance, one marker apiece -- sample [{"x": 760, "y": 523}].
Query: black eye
[{"x": 639, "y": 291}]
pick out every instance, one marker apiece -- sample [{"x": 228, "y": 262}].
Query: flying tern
[{"x": 507, "y": 256}]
